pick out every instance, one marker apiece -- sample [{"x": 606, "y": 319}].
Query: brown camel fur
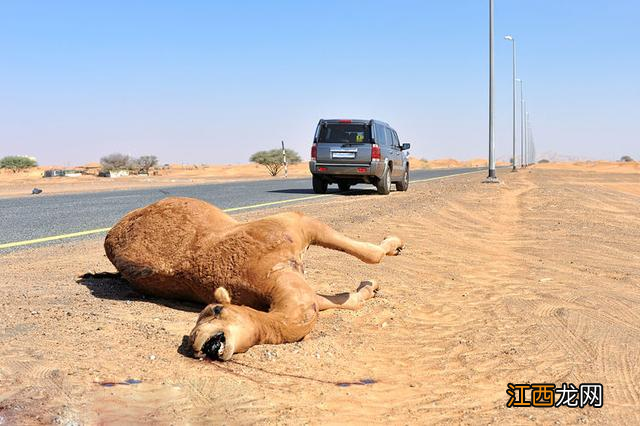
[{"x": 250, "y": 274}]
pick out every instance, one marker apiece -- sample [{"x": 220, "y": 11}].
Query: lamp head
[{"x": 508, "y": 37}]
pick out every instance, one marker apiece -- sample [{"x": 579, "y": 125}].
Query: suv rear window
[{"x": 344, "y": 133}]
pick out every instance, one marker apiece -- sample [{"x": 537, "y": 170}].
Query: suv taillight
[
  {"x": 314, "y": 151},
  {"x": 375, "y": 152}
]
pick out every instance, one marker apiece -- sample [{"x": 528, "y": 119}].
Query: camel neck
[{"x": 293, "y": 310}]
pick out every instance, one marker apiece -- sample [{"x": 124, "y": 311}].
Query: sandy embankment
[{"x": 534, "y": 280}]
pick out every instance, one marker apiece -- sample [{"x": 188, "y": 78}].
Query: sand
[
  {"x": 534, "y": 280},
  {"x": 595, "y": 166}
]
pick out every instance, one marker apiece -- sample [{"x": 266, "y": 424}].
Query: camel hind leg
[
  {"x": 352, "y": 301},
  {"x": 325, "y": 236}
]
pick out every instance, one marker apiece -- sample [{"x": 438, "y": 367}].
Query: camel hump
[
  {"x": 186, "y": 204},
  {"x": 152, "y": 245}
]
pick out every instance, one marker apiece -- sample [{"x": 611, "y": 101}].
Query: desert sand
[
  {"x": 595, "y": 166},
  {"x": 534, "y": 280}
]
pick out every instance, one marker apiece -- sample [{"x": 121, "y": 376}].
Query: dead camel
[{"x": 250, "y": 274}]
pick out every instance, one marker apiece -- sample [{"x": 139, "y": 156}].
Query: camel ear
[{"x": 222, "y": 296}]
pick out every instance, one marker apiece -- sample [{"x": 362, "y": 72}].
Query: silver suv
[{"x": 348, "y": 152}]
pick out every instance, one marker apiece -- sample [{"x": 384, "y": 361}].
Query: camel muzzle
[{"x": 214, "y": 347}]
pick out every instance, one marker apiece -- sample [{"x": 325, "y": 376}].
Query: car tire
[
  {"x": 403, "y": 185},
  {"x": 344, "y": 186},
  {"x": 384, "y": 183},
  {"x": 320, "y": 185}
]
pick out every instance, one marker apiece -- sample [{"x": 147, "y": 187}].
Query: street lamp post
[
  {"x": 491, "y": 178},
  {"x": 521, "y": 124},
  {"x": 513, "y": 158},
  {"x": 284, "y": 160},
  {"x": 532, "y": 146},
  {"x": 526, "y": 136}
]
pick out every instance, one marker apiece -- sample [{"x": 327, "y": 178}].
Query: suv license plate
[{"x": 343, "y": 155}]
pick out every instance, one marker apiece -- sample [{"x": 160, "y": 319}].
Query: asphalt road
[{"x": 31, "y": 218}]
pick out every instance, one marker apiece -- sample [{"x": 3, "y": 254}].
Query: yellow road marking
[
  {"x": 53, "y": 238},
  {"x": 446, "y": 176},
  {"x": 272, "y": 203},
  {"x": 232, "y": 209}
]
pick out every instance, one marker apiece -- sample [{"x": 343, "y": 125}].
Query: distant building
[
  {"x": 59, "y": 173},
  {"x": 53, "y": 173},
  {"x": 90, "y": 169},
  {"x": 114, "y": 173}
]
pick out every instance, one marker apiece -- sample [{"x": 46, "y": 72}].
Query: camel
[{"x": 249, "y": 274}]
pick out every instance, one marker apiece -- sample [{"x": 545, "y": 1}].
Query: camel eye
[{"x": 217, "y": 309}]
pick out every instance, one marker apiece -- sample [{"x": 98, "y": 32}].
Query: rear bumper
[{"x": 376, "y": 168}]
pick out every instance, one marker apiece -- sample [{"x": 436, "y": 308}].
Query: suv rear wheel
[
  {"x": 403, "y": 185},
  {"x": 344, "y": 186},
  {"x": 384, "y": 184},
  {"x": 320, "y": 185}
]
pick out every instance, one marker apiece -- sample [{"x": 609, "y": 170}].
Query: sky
[{"x": 213, "y": 82}]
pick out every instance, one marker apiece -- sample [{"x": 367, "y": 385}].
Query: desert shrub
[
  {"x": 544, "y": 160},
  {"x": 272, "y": 159},
  {"x": 145, "y": 162},
  {"x": 293, "y": 157},
  {"x": 17, "y": 162},
  {"x": 626, "y": 159},
  {"x": 115, "y": 161}
]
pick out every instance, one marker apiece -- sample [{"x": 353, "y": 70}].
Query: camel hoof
[
  {"x": 214, "y": 347},
  {"x": 397, "y": 245},
  {"x": 370, "y": 286}
]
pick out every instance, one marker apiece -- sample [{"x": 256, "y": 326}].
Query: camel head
[{"x": 222, "y": 329}]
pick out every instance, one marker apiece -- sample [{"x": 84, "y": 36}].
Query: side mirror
[{"x": 405, "y": 146}]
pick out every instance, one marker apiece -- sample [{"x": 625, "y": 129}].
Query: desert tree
[
  {"x": 626, "y": 159},
  {"x": 145, "y": 162},
  {"x": 17, "y": 162},
  {"x": 272, "y": 159},
  {"x": 115, "y": 161}
]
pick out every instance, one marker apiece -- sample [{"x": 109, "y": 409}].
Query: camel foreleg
[{"x": 353, "y": 301}]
